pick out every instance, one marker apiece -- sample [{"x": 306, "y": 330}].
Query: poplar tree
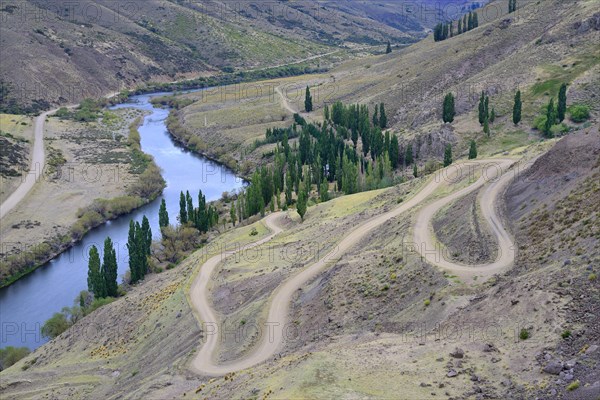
[
  {"x": 95, "y": 279},
  {"x": 383, "y": 120},
  {"x": 448, "y": 155},
  {"x": 302, "y": 202},
  {"x": 517, "y": 108},
  {"x": 163, "y": 215},
  {"x": 146, "y": 233},
  {"x": 415, "y": 171},
  {"x": 308, "y": 101},
  {"x": 376, "y": 116},
  {"x": 482, "y": 108},
  {"x": 550, "y": 119},
  {"x": 562, "y": 103},
  {"x": 109, "y": 268},
  {"x": 183, "y": 218},
  {"x": 389, "y": 48},
  {"x": 473, "y": 150},
  {"x": 232, "y": 214},
  {"x": 449, "y": 110}
]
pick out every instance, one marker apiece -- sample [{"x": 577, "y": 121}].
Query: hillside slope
[
  {"x": 56, "y": 53},
  {"x": 534, "y": 50}
]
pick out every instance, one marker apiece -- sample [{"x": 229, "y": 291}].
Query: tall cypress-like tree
[
  {"x": 492, "y": 115},
  {"x": 562, "y": 103},
  {"x": 383, "y": 120},
  {"x": 415, "y": 171},
  {"x": 550, "y": 119},
  {"x": 146, "y": 235},
  {"x": 132, "y": 247},
  {"x": 163, "y": 215},
  {"x": 449, "y": 110},
  {"x": 95, "y": 279},
  {"x": 389, "y": 48},
  {"x": 301, "y": 204},
  {"x": 517, "y": 108},
  {"x": 376, "y": 116},
  {"x": 460, "y": 26},
  {"x": 473, "y": 150},
  {"x": 191, "y": 214},
  {"x": 308, "y": 101},
  {"x": 475, "y": 20},
  {"x": 109, "y": 268},
  {"x": 183, "y": 217},
  {"x": 448, "y": 155},
  {"x": 482, "y": 108}
]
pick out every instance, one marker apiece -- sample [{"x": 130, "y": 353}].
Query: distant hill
[{"x": 60, "y": 52}]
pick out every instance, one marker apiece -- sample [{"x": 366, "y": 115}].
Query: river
[{"x": 28, "y": 303}]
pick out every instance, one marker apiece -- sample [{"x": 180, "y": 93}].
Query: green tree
[
  {"x": 109, "y": 269},
  {"x": 324, "y": 190},
  {"x": 482, "y": 108},
  {"x": 448, "y": 155},
  {"x": 473, "y": 150},
  {"x": 55, "y": 326},
  {"x": 415, "y": 171},
  {"x": 95, "y": 280},
  {"x": 550, "y": 119},
  {"x": 492, "y": 115},
  {"x": 308, "y": 101},
  {"x": 326, "y": 112},
  {"x": 163, "y": 215},
  {"x": 376, "y": 116},
  {"x": 460, "y": 26},
  {"x": 383, "y": 120},
  {"x": 389, "y": 48},
  {"x": 449, "y": 110},
  {"x": 517, "y": 108},
  {"x": 146, "y": 235},
  {"x": 183, "y": 217},
  {"x": 302, "y": 203},
  {"x": 486, "y": 126},
  {"x": 562, "y": 103},
  {"x": 10, "y": 355},
  {"x": 232, "y": 214}
]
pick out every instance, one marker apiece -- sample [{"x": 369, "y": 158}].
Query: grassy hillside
[
  {"x": 381, "y": 322},
  {"x": 535, "y": 50},
  {"x": 87, "y": 49}
]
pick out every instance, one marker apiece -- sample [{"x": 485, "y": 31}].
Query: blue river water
[{"x": 28, "y": 303}]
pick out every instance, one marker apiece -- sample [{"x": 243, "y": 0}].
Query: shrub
[
  {"x": 524, "y": 334},
  {"x": 579, "y": 112},
  {"x": 573, "y": 385},
  {"x": 55, "y": 326},
  {"x": 10, "y": 355},
  {"x": 592, "y": 277},
  {"x": 566, "y": 334},
  {"x": 427, "y": 302}
]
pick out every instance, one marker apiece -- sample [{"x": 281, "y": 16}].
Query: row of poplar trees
[
  {"x": 102, "y": 277},
  {"x": 443, "y": 31}
]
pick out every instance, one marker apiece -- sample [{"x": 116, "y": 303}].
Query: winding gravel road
[
  {"x": 272, "y": 340},
  {"x": 38, "y": 160}
]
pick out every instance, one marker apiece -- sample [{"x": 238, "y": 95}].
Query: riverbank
[{"x": 99, "y": 165}]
